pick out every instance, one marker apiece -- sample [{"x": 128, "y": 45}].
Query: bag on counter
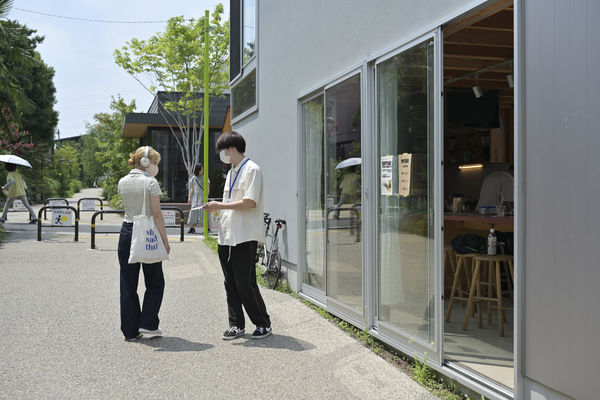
[
  {"x": 146, "y": 243},
  {"x": 469, "y": 243}
]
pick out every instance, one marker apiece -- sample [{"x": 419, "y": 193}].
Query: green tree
[
  {"x": 92, "y": 168},
  {"x": 173, "y": 61},
  {"x": 66, "y": 169},
  {"x": 112, "y": 148},
  {"x": 27, "y": 127},
  {"x": 11, "y": 92}
]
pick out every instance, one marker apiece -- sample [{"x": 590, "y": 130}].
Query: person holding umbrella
[{"x": 15, "y": 190}]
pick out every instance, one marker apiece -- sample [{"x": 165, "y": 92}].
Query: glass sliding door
[
  {"x": 314, "y": 195},
  {"x": 343, "y": 194},
  {"x": 406, "y": 116}
]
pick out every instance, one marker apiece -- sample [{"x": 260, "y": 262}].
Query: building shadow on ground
[
  {"x": 276, "y": 342},
  {"x": 174, "y": 344}
]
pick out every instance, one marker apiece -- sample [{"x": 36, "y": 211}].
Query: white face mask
[
  {"x": 152, "y": 170},
  {"x": 224, "y": 158}
]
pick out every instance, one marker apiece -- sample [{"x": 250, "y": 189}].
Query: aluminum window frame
[
  {"x": 474, "y": 381},
  {"x": 249, "y": 66},
  {"x": 385, "y": 330}
]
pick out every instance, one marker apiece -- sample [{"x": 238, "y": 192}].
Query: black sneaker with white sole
[
  {"x": 134, "y": 339},
  {"x": 233, "y": 333},
  {"x": 261, "y": 332}
]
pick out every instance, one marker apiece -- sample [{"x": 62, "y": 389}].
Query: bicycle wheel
[
  {"x": 260, "y": 254},
  {"x": 273, "y": 270}
]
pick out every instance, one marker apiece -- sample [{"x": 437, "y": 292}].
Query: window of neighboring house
[{"x": 242, "y": 61}]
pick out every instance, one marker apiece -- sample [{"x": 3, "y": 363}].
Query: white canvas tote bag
[{"x": 146, "y": 243}]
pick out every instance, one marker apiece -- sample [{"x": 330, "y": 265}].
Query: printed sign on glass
[
  {"x": 386, "y": 175},
  {"x": 404, "y": 170}
]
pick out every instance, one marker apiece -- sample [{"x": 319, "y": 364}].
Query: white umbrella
[
  {"x": 349, "y": 162},
  {"x": 9, "y": 158}
]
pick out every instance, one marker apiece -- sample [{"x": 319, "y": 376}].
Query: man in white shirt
[
  {"x": 241, "y": 227},
  {"x": 497, "y": 188}
]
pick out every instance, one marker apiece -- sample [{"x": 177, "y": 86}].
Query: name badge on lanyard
[{"x": 232, "y": 184}]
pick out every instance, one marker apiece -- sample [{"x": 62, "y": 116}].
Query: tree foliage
[
  {"x": 27, "y": 98},
  {"x": 112, "y": 149},
  {"x": 173, "y": 61}
]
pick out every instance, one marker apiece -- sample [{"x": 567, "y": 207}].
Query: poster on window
[
  {"x": 404, "y": 173},
  {"x": 386, "y": 175}
]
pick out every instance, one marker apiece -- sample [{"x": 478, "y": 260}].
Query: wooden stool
[
  {"x": 461, "y": 284},
  {"x": 493, "y": 263}
]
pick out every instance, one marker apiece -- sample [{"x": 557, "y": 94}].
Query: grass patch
[
  {"x": 211, "y": 242},
  {"x": 2, "y": 233},
  {"x": 415, "y": 367}
]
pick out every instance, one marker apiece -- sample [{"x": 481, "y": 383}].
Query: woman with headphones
[{"x": 133, "y": 187}]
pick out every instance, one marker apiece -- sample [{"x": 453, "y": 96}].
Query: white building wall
[
  {"x": 302, "y": 44},
  {"x": 562, "y": 187}
]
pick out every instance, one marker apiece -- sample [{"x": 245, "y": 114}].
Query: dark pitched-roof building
[{"x": 158, "y": 127}]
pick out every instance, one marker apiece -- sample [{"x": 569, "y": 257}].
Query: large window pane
[
  {"x": 249, "y": 30},
  {"x": 312, "y": 126},
  {"x": 243, "y": 95},
  {"x": 406, "y": 212},
  {"x": 344, "y": 244}
]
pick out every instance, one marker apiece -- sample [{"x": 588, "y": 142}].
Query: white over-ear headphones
[{"x": 145, "y": 161}]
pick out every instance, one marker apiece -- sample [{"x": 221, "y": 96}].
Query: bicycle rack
[
  {"x": 90, "y": 198},
  {"x": 93, "y": 224},
  {"x": 181, "y": 219},
  {"x": 44, "y": 208},
  {"x": 354, "y": 222},
  {"x": 101, "y": 212},
  {"x": 48, "y": 200}
]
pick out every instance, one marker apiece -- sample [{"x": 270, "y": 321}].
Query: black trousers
[
  {"x": 239, "y": 270},
  {"x": 132, "y": 317}
]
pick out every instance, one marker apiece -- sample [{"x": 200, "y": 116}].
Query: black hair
[
  {"x": 10, "y": 167},
  {"x": 198, "y": 168},
  {"x": 231, "y": 139}
]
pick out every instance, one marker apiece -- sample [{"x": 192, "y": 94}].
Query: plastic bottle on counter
[{"x": 492, "y": 242}]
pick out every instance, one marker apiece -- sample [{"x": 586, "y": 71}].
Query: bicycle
[
  {"x": 271, "y": 258},
  {"x": 260, "y": 250}
]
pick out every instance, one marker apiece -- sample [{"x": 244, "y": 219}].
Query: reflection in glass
[
  {"x": 249, "y": 31},
  {"x": 312, "y": 127},
  {"x": 406, "y": 238},
  {"x": 344, "y": 244},
  {"x": 243, "y": 95}
]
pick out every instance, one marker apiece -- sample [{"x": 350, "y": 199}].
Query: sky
[{"x": 81, "y": 52}]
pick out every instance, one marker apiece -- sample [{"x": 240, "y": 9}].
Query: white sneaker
[{"x": 149, "y": 332}]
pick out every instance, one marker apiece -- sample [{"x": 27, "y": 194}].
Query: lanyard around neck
[{"x": 236, "y": 176}]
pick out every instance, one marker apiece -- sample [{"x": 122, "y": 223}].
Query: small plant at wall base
[{"x": 415, "y": 368}]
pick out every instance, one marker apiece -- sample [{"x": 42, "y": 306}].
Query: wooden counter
[{"x": 455, "y": 224}]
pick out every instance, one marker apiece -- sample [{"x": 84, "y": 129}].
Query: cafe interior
[{"x": 479, "y": 192}]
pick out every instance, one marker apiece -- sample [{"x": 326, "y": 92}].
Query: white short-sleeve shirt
[
  {"x": 131, "y": 188},
  {"x": 245, "y": 181}
]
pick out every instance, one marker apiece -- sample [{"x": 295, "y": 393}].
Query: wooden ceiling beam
[
  {"x": 477, "y": 51},
  {"x": 471, "y": 65},
  {"x": 489, "y": 85},
  {"x": 473, "y": 36},
  {"x": 502, "y": 19},
  {"x": 477, "y": 16}
]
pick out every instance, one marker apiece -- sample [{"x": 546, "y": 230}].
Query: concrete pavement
[{"x": 61, "y": 338}]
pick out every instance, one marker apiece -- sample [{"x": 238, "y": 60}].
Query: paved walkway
[{"x": 61, "y": 338}]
